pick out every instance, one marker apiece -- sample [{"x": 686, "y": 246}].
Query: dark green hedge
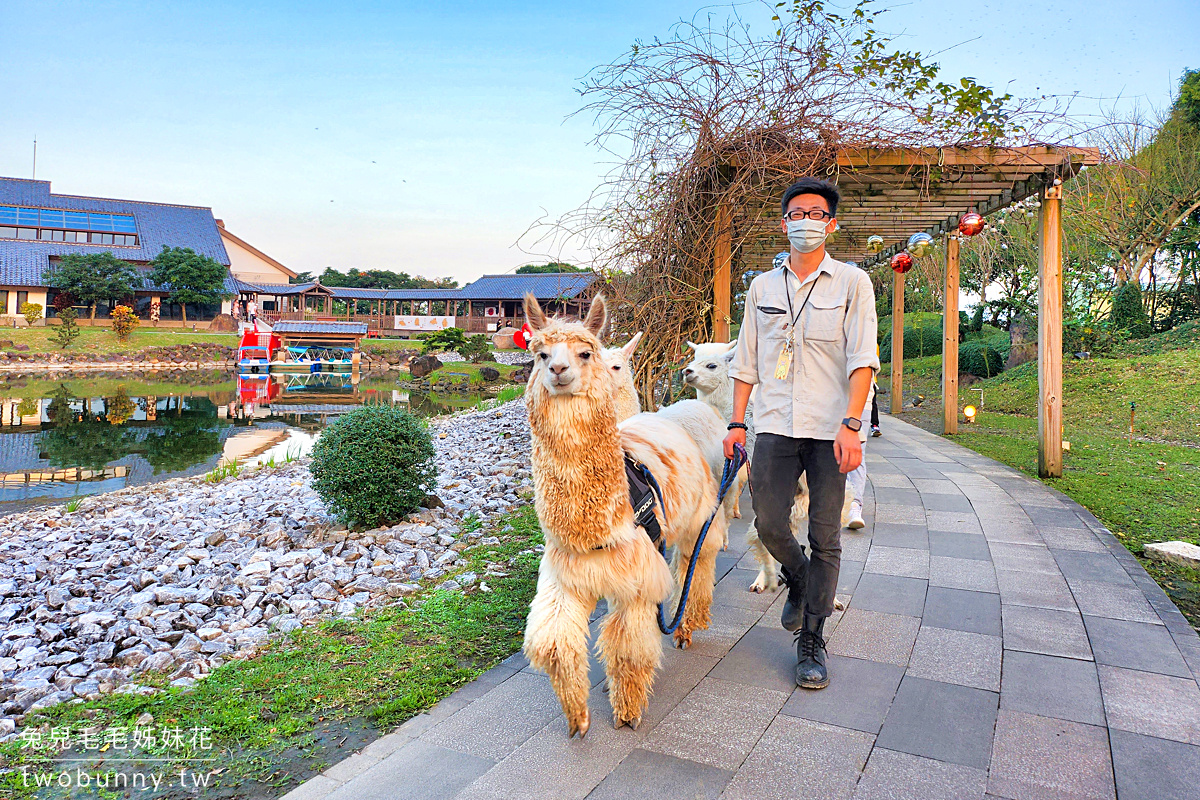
[
  {"x": 980, "y": 357},
  {"x": 374, "y": 465},
  {"x": 921, "y": 338}
]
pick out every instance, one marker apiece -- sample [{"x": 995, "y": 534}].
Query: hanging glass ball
[
  {"x": 918, "y": 244},
  {"x": 780, "y": 260},
  {"x": 970, "y": 224},
  {"x": 875, "y": 244},
  {"x": 749, "y": 275},
  {"x": 902, "y": 262}
]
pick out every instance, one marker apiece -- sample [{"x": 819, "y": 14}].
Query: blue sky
[{"x": 426, "y": 137}]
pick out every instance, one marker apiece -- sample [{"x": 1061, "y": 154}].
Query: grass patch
[
  {"x": 103, "y": 340},
  {"x": 265, "y": 714}
]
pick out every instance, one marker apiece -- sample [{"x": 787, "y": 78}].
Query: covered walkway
[{"x": 997, "y": 641}]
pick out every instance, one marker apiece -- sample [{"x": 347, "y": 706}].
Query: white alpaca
[
  {"x": 619, "y": 361},
  {"x": 708, "y": 373},
  {"x": 593, "y": 548}
]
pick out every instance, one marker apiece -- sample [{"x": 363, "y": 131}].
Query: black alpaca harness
[{"x": 643, "y": 491}]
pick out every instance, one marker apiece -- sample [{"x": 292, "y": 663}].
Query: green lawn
[
  {"x": 103, "y": 340},
  {"x": 278, "y": 718},
  {"x": 1144, "y": 491}
]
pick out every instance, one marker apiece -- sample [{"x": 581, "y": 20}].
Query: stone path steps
[{"x": 997, "y": 642}]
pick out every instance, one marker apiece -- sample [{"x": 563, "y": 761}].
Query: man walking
[{"x": 808, "y": 342}]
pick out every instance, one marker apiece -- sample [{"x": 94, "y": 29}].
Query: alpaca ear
[
  {"x": 631, "y": 345},
  {"x": 692, "y": 345},
  {"x": 533, "y": 313},
  {"x": 597, "y": 317}
]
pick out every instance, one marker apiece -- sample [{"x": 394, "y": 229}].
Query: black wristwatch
[{"x": 853, "y": 424}]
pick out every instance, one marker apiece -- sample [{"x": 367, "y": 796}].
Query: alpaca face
[
  {"x": 567, "y": 356},
  {"x": 709, "y": 370}
]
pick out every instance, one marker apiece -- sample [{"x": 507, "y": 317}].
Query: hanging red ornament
[
  {"x": 970, "y": 224},
  {"x": 902, "y": 262},
  {"x": 521, "y": 338}
]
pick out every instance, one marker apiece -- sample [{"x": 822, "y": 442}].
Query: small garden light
[{"x": 969, "y": 413}]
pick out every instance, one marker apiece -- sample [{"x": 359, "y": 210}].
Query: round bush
[
  {"x": 980, "y": 357},
  {"x": 374, "y": 465},
  {"x": 922, "y": 337}
]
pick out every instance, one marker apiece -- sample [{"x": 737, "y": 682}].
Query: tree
[
  {"x": 67, "y": 328},
  {"x": 301, "y": 277},
  {"x": 553, "y": 266},
  {"x": 124, "y": 320},
  {"x": 1128, "y": 313},
  {"x": 382, "y": 279},
  {"x": 32, "y": 312},
  {"x": 189, "y": 276},
  {"x": 92, "y": 277}
]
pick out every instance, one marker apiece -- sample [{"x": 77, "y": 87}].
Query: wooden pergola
[{"x": 896, "y": 193}]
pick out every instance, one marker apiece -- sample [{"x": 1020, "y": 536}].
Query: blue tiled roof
[
  {"x": 346, "y": 328},
  {"x": 24, "y": 262},
  {"x": 546, "y": 286}
]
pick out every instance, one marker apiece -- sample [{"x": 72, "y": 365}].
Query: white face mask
[{"x": 806, "y": 235}]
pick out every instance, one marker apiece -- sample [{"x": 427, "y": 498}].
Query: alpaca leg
[
  {"x": 630, "y": 647},
  {"x": 697, "y": 614},
  {"x": 556, "y": 635},
  {"x": 768, "y": 567}
]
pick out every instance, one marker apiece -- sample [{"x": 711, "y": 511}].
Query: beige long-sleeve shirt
[{"x": 835, "y": 335}]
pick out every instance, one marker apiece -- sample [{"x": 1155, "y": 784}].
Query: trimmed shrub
[
  {"x": 32, "y": 312},
  {"x": 67, "y": 329},
  {"x": 1128, "y": 313},
  {"x": 922, "y": 337},
  {"x": 446, "y": 340},
  {"x": 124, "y": 321},
  {"x": 980, "y": 357},
  {"x": 475, "y": 349},
  {"x": 374, "y": 465}
]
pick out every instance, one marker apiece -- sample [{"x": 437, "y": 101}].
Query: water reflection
[{"x": 101, "y": 434}]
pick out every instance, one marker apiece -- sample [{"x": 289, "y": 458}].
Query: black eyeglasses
[{"x": 816, "y": 213}]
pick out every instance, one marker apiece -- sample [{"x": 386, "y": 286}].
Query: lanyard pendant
[{"x": 784, "y": 365}]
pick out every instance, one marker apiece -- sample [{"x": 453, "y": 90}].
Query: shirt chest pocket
[
  {"x": 824, "y": 319},
  {"x": 772, "y": 320}
]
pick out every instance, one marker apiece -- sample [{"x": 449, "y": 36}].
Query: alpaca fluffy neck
[
  {"x": 578, "y": 468},
  {"x": 721, "y": 399}
]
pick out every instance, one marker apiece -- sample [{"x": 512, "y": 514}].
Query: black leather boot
[
  {"x": 810, "y": 654},
  {"x": 793, "y": 609}
]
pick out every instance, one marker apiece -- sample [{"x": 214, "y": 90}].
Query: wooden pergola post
[
  {"x": 897, "y": 341},
  {"x": 950, "y": 340},
  {"x": 722, "y": 261},
  {"x": 1050, "y": 425}
]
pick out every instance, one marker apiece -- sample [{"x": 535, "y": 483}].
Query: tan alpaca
[{"x": 593, "y": 549}]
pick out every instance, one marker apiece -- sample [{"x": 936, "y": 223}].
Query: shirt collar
[{"x": 827, "y": 266}]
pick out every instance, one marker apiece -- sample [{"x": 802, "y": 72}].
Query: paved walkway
[{"x": 997, "y": 642}]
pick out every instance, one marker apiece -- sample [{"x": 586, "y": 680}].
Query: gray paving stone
[
  {"x": 1114, "y": 602},
  {"x": 764, "y": 657},
  {"x": 858, "y": 696},
  {"x": 352, "y": 767},
  {"x": 1135, "y": 645},
  {"x": 959, "y": 545},
  {"x": 681, "y": 670},
  {"x": 898, "y": 497},
  {"x": 1018, "y": 530},
  {"x": 905, "y": 562},
  {"x": 928, "y": 486},
  {"x": 1036, "y": 758},
  {"x": 1024, "y": 558},
  {"x": 497, "y": 723},
  {"x": 406, "y": 775},
  {"x": 962, "y": 610},
  {"x": 317, "y": 787},
  {"x": 798, "y": 758},
  {"x": 941, "y": 721},
  {"x": 893, "y": 513},
  {"x": 384, "y": 746},
  {"x": 848, "y": 576},
  {"x": 1071, "y": 539},
  {"x": 886, "y": 480},
  {"x": 728, "y": 624},
  {"x": 1043, "y": 630},
  {"x": 900, "y": 535},
  {"x": 875, "y": 636},
  {"x": 963, "y": 573},
  {"x": 891, "y": 775},
  {"x": 1050, "y": 686},
  {"x": 717, "y": 724},
  {"x": 855, "y": 545},
  {"x": 954, "y": 656},
  {"x": 734, "y": 590},
  {"x": 1039, "y": 591},
  {"x": 1153, "y": 705},
  {"x": 1153, "y": 769},
  {"x": 1077, "y": 565},
  {"x": 953, "y": 521},
  {"x": 955, "y": 503},
  {"x": 644, "y": 775},
  {"x": 890, "y": 594}
]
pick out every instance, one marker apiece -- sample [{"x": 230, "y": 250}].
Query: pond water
[{"x": 100, "y": 432}]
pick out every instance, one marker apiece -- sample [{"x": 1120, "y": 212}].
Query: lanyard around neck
[{"x": 787, "y": 290}]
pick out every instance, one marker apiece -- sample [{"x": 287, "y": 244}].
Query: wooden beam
[
  {"x": 722, "y": 261},
  {"x": 950, "y": 341},
  {"x": 1050, "y": 424},
  {"x": 897, "y": 341}
]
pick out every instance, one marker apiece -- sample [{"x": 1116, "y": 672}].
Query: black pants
[
  {"x": 777, "y": 466},
  {"x": 875, "y": 408}
]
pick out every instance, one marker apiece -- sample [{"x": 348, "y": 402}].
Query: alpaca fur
[
  {"x": 618, "y": 360},
  {"x": 708, "y": 373},
  {"x": 593, "y": 548}
]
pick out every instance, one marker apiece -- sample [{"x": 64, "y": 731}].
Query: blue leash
[{"x": 728, "y": 476}]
